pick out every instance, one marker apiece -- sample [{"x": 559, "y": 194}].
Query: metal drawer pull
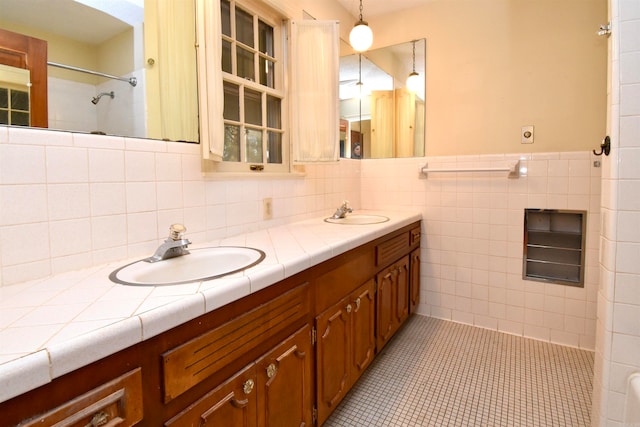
[
  {"x": 358, "y": 303},
  {"x": 349, "y": 308},
  {"x": 248, "y": 386},
  {"x": 99, "y": 419},
  {"x": 271, "y": 370}
]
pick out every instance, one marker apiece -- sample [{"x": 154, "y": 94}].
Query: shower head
[{"x": 96, "y": 99}]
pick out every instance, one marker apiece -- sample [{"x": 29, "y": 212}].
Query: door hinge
[
  {"x": 314, "y": 335},
  {"x": 315, "y": 415}
]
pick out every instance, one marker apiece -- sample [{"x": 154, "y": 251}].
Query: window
[
  {"x": 14, "y": 107},
  {"x": 253, "y": 86}
]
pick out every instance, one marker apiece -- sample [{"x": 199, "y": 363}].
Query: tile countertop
[{"x": 52, "y": 326}]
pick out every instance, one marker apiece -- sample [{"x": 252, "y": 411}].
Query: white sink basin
[
  {"x": 358, "y": 219},
  {"x": 199, "y": 264}
]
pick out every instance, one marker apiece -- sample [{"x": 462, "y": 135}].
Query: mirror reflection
[
  {"x": 380, "y": 115},
  {"x": 96, "y": 66}
]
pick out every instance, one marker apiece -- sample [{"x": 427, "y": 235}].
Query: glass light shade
[
  {"x": 361, "y": 37},
  {"x": 413, "y": 82}
]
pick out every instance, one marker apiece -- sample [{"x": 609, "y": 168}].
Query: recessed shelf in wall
[{"x": 554, "y": 246}]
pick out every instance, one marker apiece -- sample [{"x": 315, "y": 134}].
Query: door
[
  {"x": 386, "y": 281},
  {"x": 414, "y": 281},
  {"x": 332, "y": 357},
  {"x": 20, "y": 51},
  {"x": 392, "y": 299},
  {"x": 285, "y": 383},
  {"x": 363, "y": 329},
  {"x": 402, "y": 291},
  {"x": 233, "y": 403}
]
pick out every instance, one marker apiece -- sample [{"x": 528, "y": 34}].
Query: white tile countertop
[{"x": 52, "y": 326}]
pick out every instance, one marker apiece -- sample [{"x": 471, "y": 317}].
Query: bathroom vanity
[{"x": 285, "y": 354}]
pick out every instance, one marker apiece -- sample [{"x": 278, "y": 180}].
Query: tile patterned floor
[{"x": 441, "y": 373}]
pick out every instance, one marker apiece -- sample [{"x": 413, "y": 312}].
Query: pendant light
[
  {"x": 413, "y": 81},
  {"x": 361, "y": 36}
]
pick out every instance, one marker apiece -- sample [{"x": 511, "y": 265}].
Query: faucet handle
[{"x": 176, "y": 231}]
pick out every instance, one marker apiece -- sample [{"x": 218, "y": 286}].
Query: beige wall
[
  {"x": 496, "y": 65},
  {"x": 64, "y": 51},
  {"x": 115, "y": 56}
]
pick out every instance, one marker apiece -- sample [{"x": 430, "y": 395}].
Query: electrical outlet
[
  {"x": 526, "y": 135},
  {"x": 267, "y": 208}
]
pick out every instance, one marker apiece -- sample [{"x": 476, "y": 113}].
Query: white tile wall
[
  {"x": 70, "y": 106},
  {"x": 70, "y": 201},
  {"x": 618, "y": 330},
  {"x": 473, "y": 239}
]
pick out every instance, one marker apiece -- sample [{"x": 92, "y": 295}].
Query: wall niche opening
[{"x": 554, "y": 246}]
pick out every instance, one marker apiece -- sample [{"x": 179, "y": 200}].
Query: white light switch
[{"x": 526, "y": 135}]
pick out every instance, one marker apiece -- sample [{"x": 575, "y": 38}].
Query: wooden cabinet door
[
  {"x": 332, "y": 357},
  {"x": 402, "y": 292},
  {"x": 363, "y": 318},
  {"x": 116, "y": 403},
  {"x": 392, "y": 300},
  {"x": 233, "y": 403},
  {"x": 285, "y": 383},
  {"x": 414, "y": 280},
  {"x": 385, "y": 297}
]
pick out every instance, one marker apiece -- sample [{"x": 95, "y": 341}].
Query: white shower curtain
[{"x": 174, "y": 65}]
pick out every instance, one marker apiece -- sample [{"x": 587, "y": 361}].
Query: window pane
[
  {"x": 19, "y": 119},
  {"x": 231, "y": 151},
  {"x": 273, "y": 112},
  {"x": 254, "y": 146},
  {"x": 274, "y": 147},
  {"x": 4, "y": 97},
  {"x": 231, "y": 102},
  {"x": 226, "y": 57},
  {"x": 4, "y": 117},
  {"x": 20, "y": 100},
  {"x": 245, "y": 65},
  {"x": 225, "y": 8},
  {"x": 244, "y": 27},
  {"x": 267, "y": 76},
  {"x": 265, "y": 35},
  {"x": 252, "y": 107}
]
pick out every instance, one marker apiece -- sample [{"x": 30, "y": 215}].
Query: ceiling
[
  {"x": 92, "y": 26},
  {"x": 72, "y": 18},
  {"x": 378, "y": 7}
]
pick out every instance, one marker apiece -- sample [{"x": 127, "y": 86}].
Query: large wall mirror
[
  {"x": 117, "y": 67},
  {"x": 381, "y": 115}
]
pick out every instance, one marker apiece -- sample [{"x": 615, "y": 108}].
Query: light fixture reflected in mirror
[
  {"x": 413, "y": 81},
  {"x": 388, "y": 104},
  {"x": 361, "y": 36}
]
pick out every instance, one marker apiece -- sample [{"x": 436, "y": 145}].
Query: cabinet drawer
[
  {"x": 389, "y": 251},
  {"x": 197, "y": 359},
  {"x": 118, "y": 402}
]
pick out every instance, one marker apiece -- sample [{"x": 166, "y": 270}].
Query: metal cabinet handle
[
  {"x": 358, "y": 303},
  {"x": 99, "y": 419},
  {"x": 271, "y": 370},
  {"x": 247, "y": 387},
  {"x": 349, "y": 308}
]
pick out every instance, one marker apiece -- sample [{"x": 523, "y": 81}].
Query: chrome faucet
[
  {"x": 343, "y": 210},
  {"x": 175, "y": 245}
]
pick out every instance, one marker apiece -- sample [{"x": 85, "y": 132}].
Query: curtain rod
[{"x": 132, "y": 80}]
